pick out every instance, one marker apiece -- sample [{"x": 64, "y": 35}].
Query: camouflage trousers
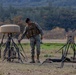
[{"x": 35, "y": 43}]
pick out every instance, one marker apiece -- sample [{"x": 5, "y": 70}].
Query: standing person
[{"x": 33, "y": 31}]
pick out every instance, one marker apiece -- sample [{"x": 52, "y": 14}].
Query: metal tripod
[
  {"x": 12, "y": 50},
  {"x": 70, "y": 44}
]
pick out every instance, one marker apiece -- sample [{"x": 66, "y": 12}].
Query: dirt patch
[{"x": 7, "y": 68}]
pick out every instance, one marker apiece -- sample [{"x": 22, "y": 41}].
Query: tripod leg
[
  {"x": 65, "y": 55},
  {"x": 73, "y": 47},
  {"x": 9, "y": 55},
  {"x": 64, "y": 51},
  {"x": 1, "y": 44},
  {"x": 61, "y": 48},
  {"x": 6, "y": 48},
  {"x": 0, "y": 50},
  {"x": 17, "y": 49},
  {"x": 25, "y": 57}
]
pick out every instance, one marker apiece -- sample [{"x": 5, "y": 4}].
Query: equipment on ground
[
  {"x": 69, "y": 45},
  {"x": 11, "y": 49}
]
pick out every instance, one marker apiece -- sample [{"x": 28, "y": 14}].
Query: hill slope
[{"x": 28, "y": 3}]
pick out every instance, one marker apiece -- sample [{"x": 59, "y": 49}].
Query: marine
[{"x": 35, "y": 34}]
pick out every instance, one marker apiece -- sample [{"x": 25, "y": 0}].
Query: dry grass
[
  {"x": 35, "y": 69},
  {"x": 7, "y": 68}
]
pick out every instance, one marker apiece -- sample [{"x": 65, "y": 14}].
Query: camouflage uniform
[{"x": 34, "y": 39}]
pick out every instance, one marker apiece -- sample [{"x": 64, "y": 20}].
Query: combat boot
[
  {"x": 38, "y": 61},
  {"x": 33, "y": 61}
]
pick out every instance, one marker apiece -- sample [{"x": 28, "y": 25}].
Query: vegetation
[
  {"x": 46, "y": 46},
  {"x": 48, "y": 17},
  {"x": 38, "y": 3}
]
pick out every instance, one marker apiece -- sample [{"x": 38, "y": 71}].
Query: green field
[
  {"x": 48, "y": 49},
  {"x": 46, "y": 46}
]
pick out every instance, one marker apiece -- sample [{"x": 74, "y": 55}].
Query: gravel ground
[{"x": 7, "y": 68}]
